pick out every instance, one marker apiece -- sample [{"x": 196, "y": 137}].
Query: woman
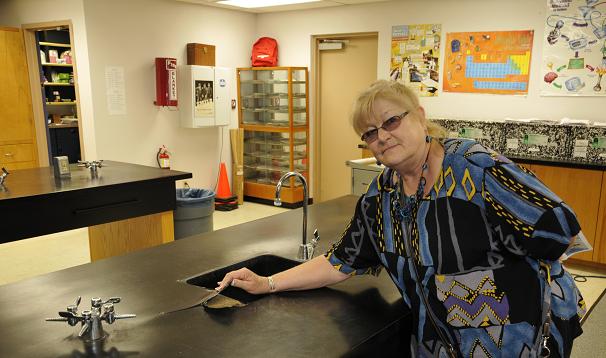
[{"x": 471, "y": 240}]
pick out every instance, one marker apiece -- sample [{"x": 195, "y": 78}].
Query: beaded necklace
[{"x": 406, "y": 205}]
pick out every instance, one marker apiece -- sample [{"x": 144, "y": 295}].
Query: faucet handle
[
  {"x": 3, "y": 175},
  {"x": 316, "y": 238}
]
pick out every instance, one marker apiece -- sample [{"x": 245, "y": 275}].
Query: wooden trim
[
  {"x": 240, "y": 117},
  {"x": 268, "y": 191},
  {"x": 13, "y": 29},
  {"x": 34, "y": 65},
  {"x": 34, "y": 81},
  {"x": 260, "y": 128},
  {"x": 77, "y": 89},
  {"x": 315, "y": 71},
  {"x": 47, "y": 25}
]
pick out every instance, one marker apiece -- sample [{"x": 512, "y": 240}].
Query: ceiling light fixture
[{"x": 250, "y": 4}]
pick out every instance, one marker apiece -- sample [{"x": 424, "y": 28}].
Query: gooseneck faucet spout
[{"x": 305, "y": 250}]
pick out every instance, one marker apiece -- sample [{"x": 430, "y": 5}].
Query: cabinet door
[
  {"x": 599, "y": 249},
  {"x": 580, "y": 189},
  {"x": 16, "y": 116}
]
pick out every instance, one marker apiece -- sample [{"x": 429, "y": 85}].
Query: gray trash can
[{"x": 194, "y": 212}]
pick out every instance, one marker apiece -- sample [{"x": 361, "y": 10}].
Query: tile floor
[{"x": 70, "y": 248}]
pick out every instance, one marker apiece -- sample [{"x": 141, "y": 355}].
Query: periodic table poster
[
  {"x": 574, "y": 48},
  {"x": 496, "y": 62}
]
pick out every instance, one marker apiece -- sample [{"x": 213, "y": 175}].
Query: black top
[
  {"x": 41, "y": 181},
  {"x": 328, "y": 322}
]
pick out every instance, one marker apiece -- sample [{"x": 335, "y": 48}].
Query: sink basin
[{"x": 264, "y": 265}]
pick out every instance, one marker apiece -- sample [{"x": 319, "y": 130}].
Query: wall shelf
[
  {"x": 54, "y": 44},
  {"x": 61, "y": 103},
  {"x": 58, "y": 64},
  {"x": 57, "y": 84}
]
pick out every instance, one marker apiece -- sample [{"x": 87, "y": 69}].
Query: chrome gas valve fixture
[
  {"x": 92, "y": 165},
  {"x": 3, "y": 176},
  {"x": 91, "y": 327}
]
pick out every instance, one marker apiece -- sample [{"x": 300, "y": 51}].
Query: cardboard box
[
  {"x": 587, "y": 144},
  {"x": 490, "y": 134},
  {"x": 537, "y": 140},
  {"x": 200, "y": 54}
]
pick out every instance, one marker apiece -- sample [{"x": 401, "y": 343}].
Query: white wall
[
  {"x": 131, "y": 34},
  {"x": 18, "y": 12},
  {"x": 293, "y": 31}
]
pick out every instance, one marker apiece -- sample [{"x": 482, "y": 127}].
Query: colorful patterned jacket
[{"x": 475, "y": 246}]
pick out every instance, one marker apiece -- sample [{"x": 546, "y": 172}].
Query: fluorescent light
[{"x": 249, "y": 4}]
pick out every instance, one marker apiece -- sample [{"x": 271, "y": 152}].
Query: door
[
  {"x": 17, "y": 137},
  {"x": 342, "y": 74},
  {"x": 16, "y": 116}
]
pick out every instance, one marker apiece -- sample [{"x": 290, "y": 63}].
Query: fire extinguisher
[{"x": 163, "y": 158}]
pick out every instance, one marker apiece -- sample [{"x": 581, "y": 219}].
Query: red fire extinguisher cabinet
[{"x": 166, "y": 82}]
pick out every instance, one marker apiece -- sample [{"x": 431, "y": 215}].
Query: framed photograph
[{"x": 203, "y": 98}]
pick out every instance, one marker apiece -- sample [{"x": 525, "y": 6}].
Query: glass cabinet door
[
  {"x": 265, "y": 100},
  {"x": 267, "y": 156}
]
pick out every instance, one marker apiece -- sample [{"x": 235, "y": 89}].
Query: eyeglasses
[{"x": 389, "y": 125}]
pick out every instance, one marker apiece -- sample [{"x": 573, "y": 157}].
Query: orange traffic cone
[{"x": 224, "y": 201}]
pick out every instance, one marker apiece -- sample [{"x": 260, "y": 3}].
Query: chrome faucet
[
  {"x": 3, "y": 176},
  {"x": 306, "y": 250}
]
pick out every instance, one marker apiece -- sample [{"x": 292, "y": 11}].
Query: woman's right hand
[{"x": 246, "y": 280}]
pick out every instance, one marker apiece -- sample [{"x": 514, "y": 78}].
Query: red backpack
[{"x": 265, "y": 52}]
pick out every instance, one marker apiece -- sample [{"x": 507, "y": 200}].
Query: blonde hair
[{"x": 395, "y": 92}]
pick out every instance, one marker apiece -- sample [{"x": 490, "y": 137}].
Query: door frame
[
  {"x": 315, "y": 75},
  {"x": 33, "y": 64}
]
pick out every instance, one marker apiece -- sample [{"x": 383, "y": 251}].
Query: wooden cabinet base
[
  {"x": 124, "y": 236},
  {"x": 289, "y": 195}
]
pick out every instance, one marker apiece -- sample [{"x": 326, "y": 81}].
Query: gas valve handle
[
  {"x": 126, "y": 315},
  {"x": 316, "y": 238}
]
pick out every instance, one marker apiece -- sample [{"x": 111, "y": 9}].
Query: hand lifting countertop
[{"x": 354, "y": 318}]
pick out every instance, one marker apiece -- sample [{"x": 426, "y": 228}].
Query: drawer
[
  {"x": 360, "y": 180},
  {"x": 14, "y": 153}
]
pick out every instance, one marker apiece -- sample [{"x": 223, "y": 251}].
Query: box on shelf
[
  {"x": 200, "y": 54},
  {"x": 536, "y": 140},
  {"x": 490, "y": 134},
  {"x": 587, "y": 144}
]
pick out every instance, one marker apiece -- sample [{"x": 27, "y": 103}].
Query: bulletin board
[
  {"x": 574, "y": 48},
  {"x": 496, "y": 62},
  {"x": 415, "y": 52}
]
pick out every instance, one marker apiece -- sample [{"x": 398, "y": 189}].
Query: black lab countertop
[{"x": 359, "y": 317}]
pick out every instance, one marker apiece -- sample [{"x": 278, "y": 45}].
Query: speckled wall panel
[
  {"x": 587, "y": 144},
  {"x": 537, "y": 140},
  {"x": 489, "y": 133}
]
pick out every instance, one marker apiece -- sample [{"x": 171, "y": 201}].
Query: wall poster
[
  {"x": 574, "y": 48},
  {"x": 415, "y": 52},
  {"x": 496, "y": 62},
  {"x": 204, "y": 106}
]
